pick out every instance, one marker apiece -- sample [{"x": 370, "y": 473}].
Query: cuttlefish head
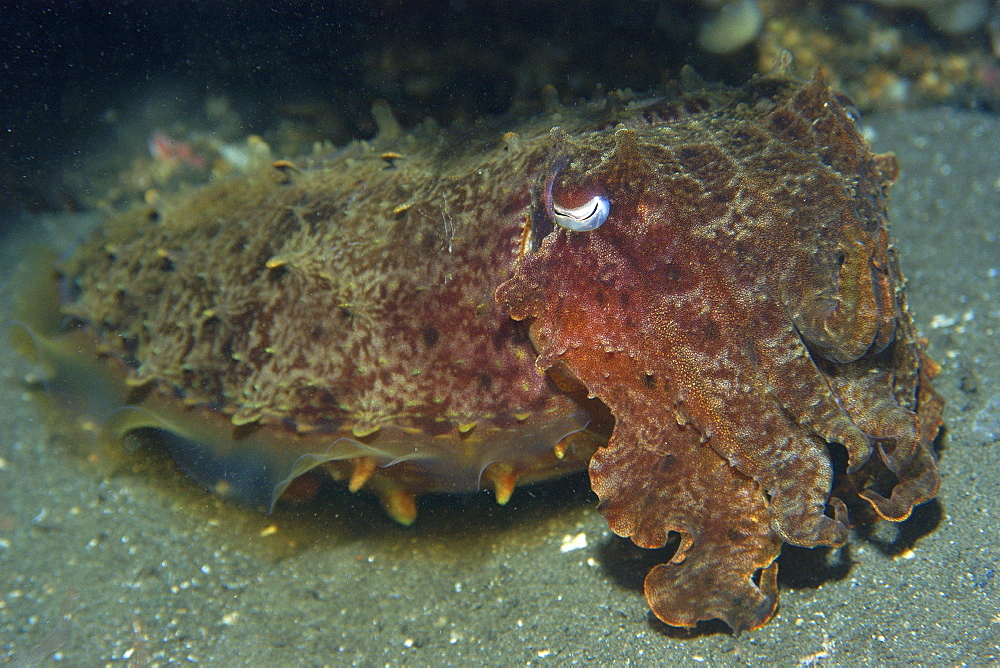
[
  {"x": 722, "y": 284},
  {"x": 606, "y": 285}
]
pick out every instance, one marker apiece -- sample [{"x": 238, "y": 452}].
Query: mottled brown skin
[{"x": 406, "y": 314}]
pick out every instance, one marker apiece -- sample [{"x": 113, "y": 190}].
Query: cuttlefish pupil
[{"x": 586, "y": 217}]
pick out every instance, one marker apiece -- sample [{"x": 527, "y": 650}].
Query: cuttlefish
[{"x": 693, "y": 295}]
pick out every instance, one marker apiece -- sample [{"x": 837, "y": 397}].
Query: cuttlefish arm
[{"x": 656, "y": 475}]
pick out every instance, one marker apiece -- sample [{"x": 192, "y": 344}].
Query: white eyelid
[{"x": 583, "y": 218}]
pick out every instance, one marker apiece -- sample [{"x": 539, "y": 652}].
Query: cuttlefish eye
[{"x": 583, "y": 218}]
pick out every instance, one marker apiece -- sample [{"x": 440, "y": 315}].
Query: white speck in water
[
  {"x": 942, "y": 320},
  {"x": 573, "y": 543}
]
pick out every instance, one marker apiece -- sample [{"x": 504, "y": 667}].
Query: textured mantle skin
[{"x": 405, "y": 314}]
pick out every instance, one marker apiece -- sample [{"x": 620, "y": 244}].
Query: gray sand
[{"x": 110, "y": 557}]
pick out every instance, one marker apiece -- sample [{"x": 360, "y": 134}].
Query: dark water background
[{"x": 127, "y": 561}]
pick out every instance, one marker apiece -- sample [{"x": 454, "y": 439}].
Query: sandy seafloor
[{"x": 121, "y": 560}]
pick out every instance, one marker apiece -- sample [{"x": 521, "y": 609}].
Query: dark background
[
  {"x": 73, "y": 75},
  {"x": 63, "y": 66}
]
